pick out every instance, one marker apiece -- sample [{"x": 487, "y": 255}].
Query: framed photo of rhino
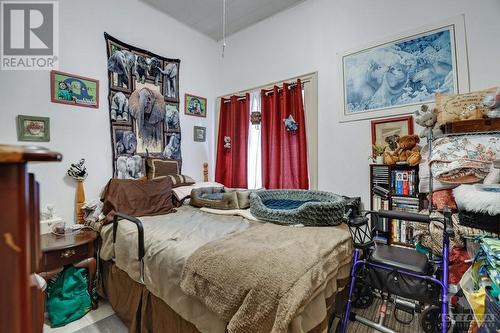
[{"x": 143, "y": 106}]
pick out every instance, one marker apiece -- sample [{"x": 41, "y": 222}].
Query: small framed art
[
  {"x": 73, "y": 89},
  {"x": 384, "y": 129},
  {"x": 200, "y": 134},
  {"x": 30, "y": 128},
  {"x": 195, "y": 105}
]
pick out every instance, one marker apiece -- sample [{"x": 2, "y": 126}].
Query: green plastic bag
[{"x": 68, "y": 297}]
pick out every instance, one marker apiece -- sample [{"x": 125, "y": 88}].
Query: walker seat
[{"x": 400, "y": 258}]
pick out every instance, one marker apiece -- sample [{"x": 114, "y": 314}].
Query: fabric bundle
[{"x": 464, "y": 159}]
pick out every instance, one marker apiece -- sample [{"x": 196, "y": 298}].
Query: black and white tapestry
[{"x": 143, "y": 107}]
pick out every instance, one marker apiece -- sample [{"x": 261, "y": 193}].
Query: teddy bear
[
  {"x": 428, "y": 120},
  {"x": 407, "y": 151}
]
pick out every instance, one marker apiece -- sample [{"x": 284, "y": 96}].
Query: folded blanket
[
  {"x": 464, "y": 159},
  {"x": 258, "y": 280},
  {"x": 478, "y": 198}
]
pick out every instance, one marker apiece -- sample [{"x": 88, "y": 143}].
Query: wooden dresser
[{"x": 21, "y": 299}]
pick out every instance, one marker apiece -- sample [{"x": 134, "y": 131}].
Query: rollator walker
[{"x": 409, "y": 279}]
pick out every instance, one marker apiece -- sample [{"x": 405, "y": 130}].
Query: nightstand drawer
[{"x": 58, "y": 258}]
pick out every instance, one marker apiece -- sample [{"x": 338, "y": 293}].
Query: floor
[
  {"x": 104, "y": 320},
  {"x": 89, "y": 322}
]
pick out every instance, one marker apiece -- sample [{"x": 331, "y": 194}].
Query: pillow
[
  {"x": 213, "y": 197},
  {"x": 160, "y": 168},
  {"x": 444, "y": 198},
  {"x": 181, "y": 180},
  {"x": 243, "y": 196},
  {"x": 183, "y": 192},
  {"x": 137, "y": 197},
  {"x": 462, "y": 106}
]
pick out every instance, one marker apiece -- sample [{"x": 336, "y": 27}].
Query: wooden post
[
  {"x": 80, "y": 200},
  {"x": 205, "y": 172}
]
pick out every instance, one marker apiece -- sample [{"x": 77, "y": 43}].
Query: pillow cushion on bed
[
  {"x": 183, "y": 192},
  {"x": 157, "y": 167},
  {"x": 181, "y": 180},
  {"x": 243, "y": 196},
  {"x": 137, "y": 197}
]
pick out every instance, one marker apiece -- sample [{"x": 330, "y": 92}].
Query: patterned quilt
[{"x": 464, "y": 159}]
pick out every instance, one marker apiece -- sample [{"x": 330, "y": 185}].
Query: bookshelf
[{"x": 395, "y": 187}]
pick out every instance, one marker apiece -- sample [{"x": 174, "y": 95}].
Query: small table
[{"x": 75, "y": 249}]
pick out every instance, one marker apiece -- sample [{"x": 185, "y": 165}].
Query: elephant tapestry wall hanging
[{"x": 143, "y": 107}]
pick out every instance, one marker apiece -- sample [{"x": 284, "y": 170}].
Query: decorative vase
[
  {"x": 379, "y": 159},
  {"x": 80, "y": 200}
]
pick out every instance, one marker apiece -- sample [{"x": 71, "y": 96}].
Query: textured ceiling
[{"x": 206, "y": 15}]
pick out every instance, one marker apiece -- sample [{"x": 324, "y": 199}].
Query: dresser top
[
  {"x": 22, "y": 154},
  {"x": 51, "y": 242}
]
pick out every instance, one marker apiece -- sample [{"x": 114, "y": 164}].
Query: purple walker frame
[{"x": 443, "y": 282}]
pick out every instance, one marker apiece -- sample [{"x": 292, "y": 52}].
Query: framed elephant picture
[
  {"x": 119, "y": 108},
  {"x": 172, "y": 117},
  {"x": 171, "y": 81},
  {"x": 129, "y": 167},
  {"x": 125, "y": 141},
  {"x": 120, "y": 65}
]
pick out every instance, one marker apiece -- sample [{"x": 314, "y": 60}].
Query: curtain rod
[
  {"x": 228, "y": 100},
  {"x": 268, "y": 91},
  {"x": 290, "y": 85}
]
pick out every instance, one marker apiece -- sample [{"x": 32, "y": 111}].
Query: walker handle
[{"x": 392, "y": 214}]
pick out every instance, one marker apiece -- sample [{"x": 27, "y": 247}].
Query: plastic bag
[{"x": 68, "y": 297}]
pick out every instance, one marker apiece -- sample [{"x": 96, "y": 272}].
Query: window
[{"x": 254, "y": 161}]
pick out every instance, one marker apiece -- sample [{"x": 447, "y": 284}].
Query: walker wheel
[
  {"x": 430, "y": 320},
  {"x": 362, "y": 295}
]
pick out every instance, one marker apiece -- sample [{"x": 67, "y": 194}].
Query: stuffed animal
[
  {"x": 407, "y": 151},
  {"x": 428, "y": 120}
]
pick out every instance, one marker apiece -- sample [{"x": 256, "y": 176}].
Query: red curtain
[
  {"x": 231, "y": 164},
  {"x": 284, "y": 153}
]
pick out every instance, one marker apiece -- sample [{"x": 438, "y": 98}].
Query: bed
[{"x": 204, "y": 272}]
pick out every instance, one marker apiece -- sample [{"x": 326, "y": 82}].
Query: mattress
[{"x": 169, "y": 241}]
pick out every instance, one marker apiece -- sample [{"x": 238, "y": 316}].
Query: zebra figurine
[{"x": 78, "y": 170}]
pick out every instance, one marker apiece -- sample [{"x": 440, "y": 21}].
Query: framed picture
[
  {"x": 195, "y": 105},
  {"x": 384, "y": 131},
  {"x": 119, "y": 109},
  {"x": 73, "y": 89},
  {"x": 171, "y": 81},
  {"x": 172, "y": 118},
  {"x": 200, "y": 134},
  {"x": 393, "y": 76},
  {"x": 30, "y": 128},
  {"x": 124, "y": 139}
]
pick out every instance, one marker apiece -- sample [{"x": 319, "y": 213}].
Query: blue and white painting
[{"x": 403, "y": 72}]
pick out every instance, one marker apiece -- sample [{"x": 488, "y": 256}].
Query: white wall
[
  {"x": 307, "y": 37},
  {"x": 79, "y": 132}
]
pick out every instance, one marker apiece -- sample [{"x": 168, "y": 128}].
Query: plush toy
[
  {"x": 227, "y": 142},
  {"x": 428, "y": 120},
  {"x": 407, "y": 151}
]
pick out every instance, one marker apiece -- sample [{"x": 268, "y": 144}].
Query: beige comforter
[
  {"x": 259, "y": 280},
  {"x": 169, "y": 242}
]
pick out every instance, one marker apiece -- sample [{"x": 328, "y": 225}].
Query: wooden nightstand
[{"x": 76, "y": 249}]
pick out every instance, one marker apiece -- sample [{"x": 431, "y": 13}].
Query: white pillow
[
  {"x": 474, "y": 198},
  {"x": 183, "y": 192}
]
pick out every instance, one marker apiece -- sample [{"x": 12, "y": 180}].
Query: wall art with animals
[{"x": 143, "y": 107}]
